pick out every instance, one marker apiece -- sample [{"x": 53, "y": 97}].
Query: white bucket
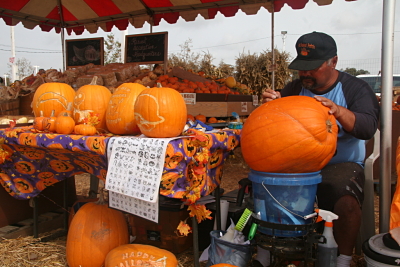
[{"x": 372, "y": 263}]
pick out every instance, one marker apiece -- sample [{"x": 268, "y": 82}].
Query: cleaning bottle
[{"x": 327, "y": 251}]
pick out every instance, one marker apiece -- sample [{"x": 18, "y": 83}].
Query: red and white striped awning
[{"x": 78, "y": 15}]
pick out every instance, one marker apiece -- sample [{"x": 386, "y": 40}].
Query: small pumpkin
[
  {"x": 201, "y": 118},
  {"x": 190, "y": 117},
  {"x": 85, "y": 129},
  {"x": 49, "y": 123},
  {"x": 38, "y": 121},
  {"x": 64, "y": 124},
  {"x": 160, "y": 112},
  {"x": 95, "y": 230},
  {"x": 140, "y": 255},
  {"x": 293, "y": 134},
  {"x": 91, "y": 98},
  {"x": 212, "y": 120},
  {"x": 52, "y": 96},
  {"x": 120, "y": 117}
]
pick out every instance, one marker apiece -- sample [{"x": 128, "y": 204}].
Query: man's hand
[
  {"x": 333, "y": 108},
  {"x": 269, "y": 95}
]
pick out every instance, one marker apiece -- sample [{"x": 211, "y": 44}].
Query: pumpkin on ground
[
  {"x": 91, "y": 98},
  {"x": 160, "y": 112},
  {"x": 95, "y": 230},
  {"x": 52, "y": 96},
  {"x": 120, "y": 117},
  {"x": 140, "y": 255},
  {"x": 293, "y": 134}
]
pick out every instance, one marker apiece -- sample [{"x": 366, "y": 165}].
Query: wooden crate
[{"x": 9, "y": 107}]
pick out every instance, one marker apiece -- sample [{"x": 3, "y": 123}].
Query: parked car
[{"x": 376, "y": 84}]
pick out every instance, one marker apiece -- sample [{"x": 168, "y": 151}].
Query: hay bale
[{"x": 109, "y": 78}]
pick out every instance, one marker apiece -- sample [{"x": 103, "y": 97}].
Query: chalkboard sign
[
  {"x": 80, "y": 52},
  {"x": 149, "y": 48}
]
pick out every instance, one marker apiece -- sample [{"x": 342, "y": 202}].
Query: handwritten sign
[
  {"x": 80, "y": 52},
  {"x": 146, "y": 48},
  {"x": 190, "y": 98}
]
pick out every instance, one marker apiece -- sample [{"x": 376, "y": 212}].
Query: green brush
[{"x": 243, "y": 220}]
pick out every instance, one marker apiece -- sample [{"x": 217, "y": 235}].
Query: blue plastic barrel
[{"x": 284, "y": 198}]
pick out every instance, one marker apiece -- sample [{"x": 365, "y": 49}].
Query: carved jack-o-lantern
[
  {"x": 23, "y": 186},
  {"x": 96, "y": 144},
  {"x": 168, "y": 180},
  {"x": 84, "y": 166},
  {"x": 189, "y": 147},
  {"x": 27, "y": 139},
  {"x": 216, "y": 158}
]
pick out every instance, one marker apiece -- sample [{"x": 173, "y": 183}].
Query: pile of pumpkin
[
  {"x": 225, "y": 86},
  {"x": 130, "y": 110}
]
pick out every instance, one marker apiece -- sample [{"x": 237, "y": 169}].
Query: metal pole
[
  {"x": 13, "y": 66},
  {"x": 386, "y": 114},
  {"x": 273, "y": 47}
]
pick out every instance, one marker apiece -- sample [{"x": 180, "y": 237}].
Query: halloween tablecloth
[{"x": 31, "y": 161}]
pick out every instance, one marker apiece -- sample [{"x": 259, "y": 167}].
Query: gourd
[
  {"x": 85, "y": 129},
  {"x": 91, "y": 98},
  {"x": 52, "y": 96},
  {"x": 49, "y": 123},
  {"x": 94, "y": 231},
  {"x": 65, "y": 124},
  {"x": 294, "y": 134},
  {"x": 230, "y": 82},
  {"x": 120, "y": 117},
  {"x": 160, "y": 112},
  {"x": 146, "y": 255}
]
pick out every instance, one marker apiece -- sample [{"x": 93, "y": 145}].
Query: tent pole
[
  {"x": 386, "y": 115},
  {"x": 273, "y": 47},
  {"x": 62, "y": 32}
]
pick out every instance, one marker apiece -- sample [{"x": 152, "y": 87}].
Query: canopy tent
[{"x": 80, "y": 15}]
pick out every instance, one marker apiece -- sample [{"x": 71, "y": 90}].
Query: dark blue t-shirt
[{"x": 357, "y": 96}]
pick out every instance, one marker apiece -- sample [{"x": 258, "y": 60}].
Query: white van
[{"x": 375, "y": 82}]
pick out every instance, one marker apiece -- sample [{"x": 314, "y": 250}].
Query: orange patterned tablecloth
[{"x": 31, "y": 161}]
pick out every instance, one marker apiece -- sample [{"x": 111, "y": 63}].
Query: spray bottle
[{"x": 327, "y": 251}]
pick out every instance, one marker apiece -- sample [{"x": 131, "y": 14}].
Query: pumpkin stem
[
  {"x": 52, "y": 113},
  {"x": 94, "y": 81},
  {"x": 41, "y": 113}
]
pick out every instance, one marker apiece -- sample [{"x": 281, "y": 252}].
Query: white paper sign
[
  {"x": 190, "y": 98},
  {"x": 141, "y": 208},
  {"x": 135, "y": 166},
  {"x": 243, "y": 106}
]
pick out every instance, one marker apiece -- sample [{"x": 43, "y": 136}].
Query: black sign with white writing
[{"x": 146, "y": 48}]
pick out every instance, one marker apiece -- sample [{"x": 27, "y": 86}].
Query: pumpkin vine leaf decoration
[
  {"x": 92, "y": 119},
  {"x": 192, "y": 194},
  {"x": 13, "y": 132},
  {"x": 183, "y": 229},
  {"x": 200, "y": 211},
  {"x": 4, "y": 154}
]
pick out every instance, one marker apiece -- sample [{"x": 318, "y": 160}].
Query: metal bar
[
  {"x": 65, "y": 204},
  {"x": 196, "y": 253},
  {"x": 273, "y": 47},
  {"x": 35, "y": 218},
  {"x": 218, "y": 208},
  {"x": 386, "y": 114}
]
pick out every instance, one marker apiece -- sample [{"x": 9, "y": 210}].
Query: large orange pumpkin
[
  {"x": 120, "y": 117},
  {"x": 160, "y": 112},
  {"x": 92, "y": 98},
  {"x": 52, "y": 96},
  {"x": 94, "y": 231},
  {"x": 294, "y": 134},
  {"x": 140, "y": 255}
]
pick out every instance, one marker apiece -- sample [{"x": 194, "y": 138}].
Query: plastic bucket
[{"x": 284, "y": 198}]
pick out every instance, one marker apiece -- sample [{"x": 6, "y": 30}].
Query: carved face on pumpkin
[
  {"x": 188, "y": 147},
  {"x": 46, "y": 180},
  {"x": 86, "y": 167},
  {"x": 221, "y": 136},
  {"x": 216, "y": 158},
  {"x": 33, "y": 153},
  {"x": 232, "y": 142},
  {"x": 96, "y": 144},
  {"x": 61, "y": 166},
  {"x": 172, "y": 158},
  {"x": 57, "y": 155},
  {"x": 27, "y": 139},
  {"x": 23, "y": 186},
  {"x": 168, "y": 180},
  {"x": 25, "y": 167}
]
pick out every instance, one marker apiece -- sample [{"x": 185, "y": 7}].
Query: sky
[{"x": 356, "y": 26}]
